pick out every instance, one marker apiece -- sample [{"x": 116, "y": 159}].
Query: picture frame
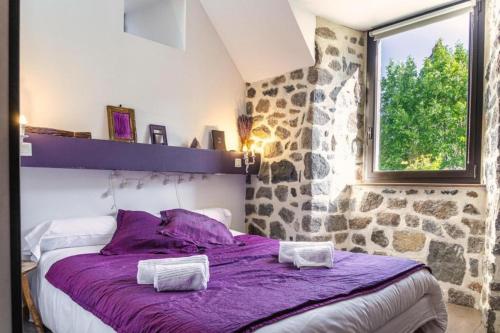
[
  {"x": 218, "y": 140},
  {"x": 158, "y": 134},
  {"x": 121, "y": 124}
]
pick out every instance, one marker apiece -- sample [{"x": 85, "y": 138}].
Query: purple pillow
[
  {"x": 199, "y": 229},
  {"x": 137, "y": 232}
]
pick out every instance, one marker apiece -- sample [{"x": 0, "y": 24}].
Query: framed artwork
[
  {"x": 218, "y": 140},
  {"x": 158, "y": 134},
  {"x": 121, "y": 124}
]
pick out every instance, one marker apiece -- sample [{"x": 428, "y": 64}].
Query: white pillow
[
  {"x": 57, "y": 234},
  {"x": 220, "y": 214}
]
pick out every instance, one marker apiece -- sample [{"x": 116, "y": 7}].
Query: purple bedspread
[{"x": 248, "y": 288}]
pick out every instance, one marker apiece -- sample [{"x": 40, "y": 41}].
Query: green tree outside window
[{"x": 423, "y": 116}]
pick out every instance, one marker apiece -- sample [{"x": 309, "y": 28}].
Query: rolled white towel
[
  {"x": 180, "y": 277},
  {"x": 313, "y": 256},
  {"x": 286, "y": 249},
  {"x": 146, "y": 268}
]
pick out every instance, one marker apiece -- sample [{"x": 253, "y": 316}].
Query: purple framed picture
[
  {"x": 158, "y": 134},
  {"x": 121, "y": 124}
]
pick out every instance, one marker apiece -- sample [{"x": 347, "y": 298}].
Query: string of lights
[{"x": 117, "y": 180}]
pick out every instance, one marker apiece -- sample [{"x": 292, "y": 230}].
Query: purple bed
[{"x": 248, "y": 290}]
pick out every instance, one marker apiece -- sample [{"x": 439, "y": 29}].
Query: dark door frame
[{"x": 14, "y": 185}]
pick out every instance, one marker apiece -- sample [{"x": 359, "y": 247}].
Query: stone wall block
[
  {"x": 412, "y": 221},
  {"x": 388, "y": 219},
  {"x": 277, "y": 231},
  {"x": 379, "y": 237},
  {"x": 357, "y": 223},
  {"x": 315, "y": 166},
  {"x": 408, "y": 241},
  {"x": 397, "y": 203},
  {"x": 335, "y": 223},
  {"x": 432, "y": 227},
  {"x": 460, "y": 298},
  {"x": 440, "y": 209},
  {"x": 371, "y": 201},
  {"x": 447, "y": 261},
  {"x": 311, "y": 224}
]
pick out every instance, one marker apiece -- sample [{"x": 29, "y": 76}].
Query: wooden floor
[{"x": 460, "y": 320}]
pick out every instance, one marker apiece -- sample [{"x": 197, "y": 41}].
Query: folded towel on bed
[
  {"x": 146, "y": 268},
  {"x": 180, "y": 277},
  {"x": 286, "y": 252},
  {"x": 313, "y": 256}
]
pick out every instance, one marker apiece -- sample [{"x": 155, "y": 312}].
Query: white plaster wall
[
  {"x": 76, "y": 59},
  {"x": 60, "y": 193}
]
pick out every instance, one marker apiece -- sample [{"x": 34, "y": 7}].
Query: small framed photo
[
  {"x": 158, "y": 134},
  {"x": 121, "y": 124},
  {"x": 218, "y": 140}
]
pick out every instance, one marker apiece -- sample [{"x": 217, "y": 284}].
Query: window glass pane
[{"x": 422, "y": 98}]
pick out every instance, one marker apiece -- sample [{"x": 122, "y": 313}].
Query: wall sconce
[{"x": 248, "y": 158}]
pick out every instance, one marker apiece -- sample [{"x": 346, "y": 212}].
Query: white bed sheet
[{"x": 413, "y": 302}]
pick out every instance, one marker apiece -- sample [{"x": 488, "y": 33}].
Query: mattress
[{"x": 411, "y": 303}]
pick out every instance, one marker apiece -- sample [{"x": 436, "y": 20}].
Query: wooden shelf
[{"x": 73, "y": 153}]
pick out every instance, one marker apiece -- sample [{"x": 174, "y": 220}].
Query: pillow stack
[
  {"x": 177, "y": 230},
  {"x": 139, "y": 232}
]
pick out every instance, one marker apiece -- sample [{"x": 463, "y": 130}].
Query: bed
[{"x": 408, "y": 302}]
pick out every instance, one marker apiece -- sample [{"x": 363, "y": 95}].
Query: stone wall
[
  {"x": 443, "y": 227},
  {"x": 309, "y": 124},
  {"x": 491, "y": 292}
]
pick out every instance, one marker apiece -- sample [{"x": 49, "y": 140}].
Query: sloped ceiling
[
  {"x": 264, "y": 38},
  {"x": 365, "y": 15}
]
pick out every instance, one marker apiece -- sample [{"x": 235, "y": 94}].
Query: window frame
[{"x": 472, "y": 173}]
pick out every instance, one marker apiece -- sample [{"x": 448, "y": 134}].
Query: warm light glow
[
  {"x": 252, "y": 149},
  {"x": 257, "y": 150},
  {"x": 245, "y": 149},
  {"x": 22, "y": 120}
]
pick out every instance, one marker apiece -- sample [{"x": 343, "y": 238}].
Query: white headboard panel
[{"x": 59, "y": 193}]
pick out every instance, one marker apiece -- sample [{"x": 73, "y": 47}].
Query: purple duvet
[{"x": 248, "y": 288}]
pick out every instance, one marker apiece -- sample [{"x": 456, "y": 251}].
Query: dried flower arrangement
[{"x": 245, "y": 124}]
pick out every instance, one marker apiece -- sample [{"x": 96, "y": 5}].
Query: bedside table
[{"x": 26, "y": 268}]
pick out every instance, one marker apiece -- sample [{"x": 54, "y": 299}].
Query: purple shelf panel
[{"x": 72, "y": 153}]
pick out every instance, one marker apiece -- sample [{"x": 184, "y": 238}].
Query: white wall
[
  {"x": 76, "y": 59},
  {"x": 52, "y": 193}
]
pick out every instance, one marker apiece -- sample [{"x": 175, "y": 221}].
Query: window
[
  {"x": 425, "y": 97},
  {"x": 161, "y": 21}
]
